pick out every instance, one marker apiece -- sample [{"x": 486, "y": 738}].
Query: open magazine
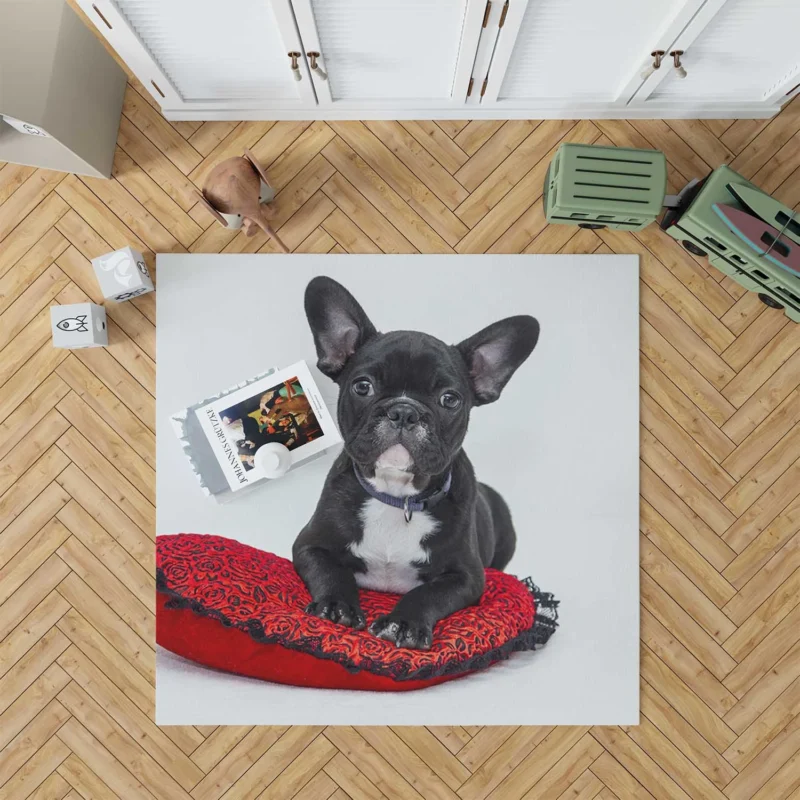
[{"x": 285, "y": 407}]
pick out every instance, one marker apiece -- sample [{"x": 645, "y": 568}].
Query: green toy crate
[
  {"x": 702, "y": 232},
  {"x": 605, "y": 187}
]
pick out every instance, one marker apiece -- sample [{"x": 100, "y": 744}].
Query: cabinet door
[
  {"x": 747, "y": 51},
  {"x": 390, "y": 53},
  {"x": 576, "y": 53},
  {"x": 207, "y": 54}
]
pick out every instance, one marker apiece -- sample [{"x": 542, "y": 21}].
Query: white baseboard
[{"x": 650, "y": 111}]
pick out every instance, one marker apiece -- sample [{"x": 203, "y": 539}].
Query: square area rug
[{"x": 561, "y": 444}]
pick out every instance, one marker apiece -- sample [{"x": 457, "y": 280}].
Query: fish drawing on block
[
  {"x": 74, "y": 324},
  {"x": 761, "y": 237}
]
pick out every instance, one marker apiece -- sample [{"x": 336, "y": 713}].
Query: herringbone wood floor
[{"x": 720, "y": 462}]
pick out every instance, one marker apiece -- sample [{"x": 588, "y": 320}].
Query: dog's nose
[{"x": 403, "y": 415}]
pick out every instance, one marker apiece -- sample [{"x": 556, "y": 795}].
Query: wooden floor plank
[
  {"x": 34, "y": 444},
  {"x": 159, "y": 131},
  {"x": 240, "y": 756},
  {"x": 137, "y": 615},
  {"x": 34, "y": 736},
  {"x": 759, "y": 698},
  {"x": 298, "y": 154},
  {"x": 107, "y": 768},
  {"x": 31, "y": 666},
  {"x": 766, "y": 509},
  {"x": 475, "y": 133},
  {"x": 769, "y": 724},
  {"x": 684, "y": 411},
  {"x": 766, "y": 766},
  {"x": 437, "y": 143},
  {"x": 419, "y": 161},
  {"x": 763, "y": 474},
  {"x": 30, "y": 230},
  {"x": 685, "y": 158},
  {"x": 115, "y": 448},
  {"x": 35, "y": 189},
  {"x": 279, "y": 138},
  {"x": 31, "y": 702},
  {"x": 133, "y": 570},
  {"x": 766, "y": 140},
  {"x": 554, "y": 765},
  {"x": 668, "y": 757},
  {"x": 153, "y": 161},
  {"x": 12, "y": 176},
  {"x": 374, "y": 226},
  {"x": 672, "y": 580},
  {"x": 618, "y": 781},
  {"x": 508, "y": 173},
  {"x": 47, "y": 540},
  {"x": 31, "y": 629},
  {"x": 685, "y": 448},
  {"x": 152, "y": 197},
  {"x": 691, "y": 688},
  {"x": 142, "y": 752},
  {"x": 702, "y": 140},
  {"x": 395, "y": 191},
  {"x": 209, "y": 135},
  {"x": 772, "y": 592},
  {"x": 685, "y": 737},
  {"x": 497, "y": 148},
  {"x": 107, "y": 514},
  {"x": 684, "y": 337},
  {"x": 502, "y": 763},
  {"x": 37, "y": 769},
  {"x": 688, "y": 271},
  {"x": 16, "y": 281},
  {"x": 84, "y": 782}
]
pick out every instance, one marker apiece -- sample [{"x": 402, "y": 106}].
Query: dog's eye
[
  {"x": 363, "y": 387},
  {"x": 450, "y": 400}
]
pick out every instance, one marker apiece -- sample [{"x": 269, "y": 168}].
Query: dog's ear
[
  {"x": 338, "y": 323},
  {"x": 494, "y": 354}
]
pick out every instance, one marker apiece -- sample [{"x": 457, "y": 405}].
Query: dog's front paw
[
  {"x": 338, "y": 611},
  {"x": 403, "y": 632}
]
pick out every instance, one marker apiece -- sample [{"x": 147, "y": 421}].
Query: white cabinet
[
  {"x": 339, "y": 59},
  {"x": 410, "y": 52},
  {"x": 536, "y": 62},
  {"x": 208, "y": 54},
  {"x": 745, "y": 51}
]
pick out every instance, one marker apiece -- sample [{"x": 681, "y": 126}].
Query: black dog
[{"x": 401, "y": 510}]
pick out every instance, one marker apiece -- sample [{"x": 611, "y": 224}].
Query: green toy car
[
  {"x": 593, "y": 186},
  {"x": 702, "y": 232},
  {"x": 605, "y": 187}
]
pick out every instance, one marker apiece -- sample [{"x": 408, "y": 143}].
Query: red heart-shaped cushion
[{"x": 233, "y": 607}]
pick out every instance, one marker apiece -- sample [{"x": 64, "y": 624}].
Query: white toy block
[
  {"x": 122, "y": 274},
  {"x": 78, "y": 325}
]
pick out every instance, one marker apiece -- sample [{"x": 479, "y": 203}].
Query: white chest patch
[{"x": 390, "y": 547}]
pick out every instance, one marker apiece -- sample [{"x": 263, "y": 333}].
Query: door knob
[
  {"x": 294, "y": 55},
  {"x": 317, "y": 70},
  {"x": 651, "y": 68},
  {"x": 676, "y": 57}
]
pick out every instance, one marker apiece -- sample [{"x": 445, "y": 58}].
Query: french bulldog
[{"x": 401, "y": 510}]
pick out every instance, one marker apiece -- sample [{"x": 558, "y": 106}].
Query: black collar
[{"x": 424, "y": 501}]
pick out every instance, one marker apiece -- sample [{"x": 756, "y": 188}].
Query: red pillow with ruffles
[{"x": 229, "y": 606}]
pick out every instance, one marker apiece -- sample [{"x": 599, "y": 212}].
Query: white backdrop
[{"x": 561, "y": 444}]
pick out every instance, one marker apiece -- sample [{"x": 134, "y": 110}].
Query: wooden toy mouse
[{"x": 236, "y": 192}]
